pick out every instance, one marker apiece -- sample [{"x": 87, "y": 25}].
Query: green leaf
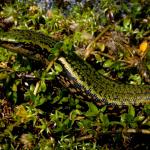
[
  {"x": 131, "y": 111},
  {"x": 86, "y": 124},
  {"x": 108, "y": 63},
  {"x": 104, "y": 119},
  {"x": 123, "y": 118},
  {"x": 134, "y": 125},
  {"x": 14, "y": 88},
  {"x": 74, "y": 114},
  {"x": 32, "y": 87},
  {"x": 93, "y": 110},
  {"x": 139, "y": 118},
  {"x": 147, "y": 109},
  {"x": 101, "y": 46},
  {"x": 64, "y": 100},
  {"x": 136, "y": 79},
  {"x": 40, "y": 101},
  {"x": 103, "y": 109},
  {"x": 3, "y": 76},
  {"x": 58, "y": 68},
  {"x": 43, "y": 86},
  {"x": 128, "y": 118},
  {"x": 126, "y": 22}
]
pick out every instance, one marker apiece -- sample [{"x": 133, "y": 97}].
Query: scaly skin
[{"x": 78, "y": 76}]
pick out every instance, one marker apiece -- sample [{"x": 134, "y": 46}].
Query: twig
[
  {"x": 50, "y": 64},
  {"x": 106, "y": 55},
  {"x": 98, "y": 37},
  {"x": 125, "y": 131},
  {"x": 36, "y": 88},
  {"x": 86, "y": 137},
  {"x": 135, "y": 131},
  {"x": 89, "y": 46}
]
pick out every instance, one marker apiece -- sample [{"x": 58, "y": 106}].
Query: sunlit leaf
[
  {"x": 93, "y": 110},
  {"x": 143, "y": 47},
  {"x": 131, "y": 111},
  {"x": 104, "y": 119},
  {"x": 139, "y": 118},
  {"x": 43, "y": 86},
  {"x": 108, "y": 63}
]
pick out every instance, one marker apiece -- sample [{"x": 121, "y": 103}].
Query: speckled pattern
[
  {"x": 78, "y": 76},
  {"x": 96, "y": 87}
]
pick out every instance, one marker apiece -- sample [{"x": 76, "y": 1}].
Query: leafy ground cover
[{"x": 36, "y": 112}]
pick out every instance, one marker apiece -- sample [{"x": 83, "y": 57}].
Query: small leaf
[
  {"x": 14, "y": 88},
  {"x": 93, "y": 110},
  {"x": 103, "y": 109},
  {"x": 147, "y": 109},
  {"x": 32, "y": 87},
  {"x": 43, "y": 86},
  {"x": 123, "y": 118},
  {"x": 101, "y": 46},
  {"x": 139, "y": 118},
  {"x": 99, "y": 58},
  {"x": 108, "y": 63},
  {"x": 3, "y": 76},
  {"x": 143, "y": 47},
  {"x": 22, "y": 113},
  {"x": 134, "y": 124},
  {"x": 58, "y": 68},
  {"x": 131, "y": 111},
  {"x": 126, "y": 22},
  {"x": 40, "y": 101},
  {"x": 136, "y": 79},
  {"x": 104, "y": 119},
  {"x": 64, "y": 100},
  {"x": 74, "y": 114}
]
